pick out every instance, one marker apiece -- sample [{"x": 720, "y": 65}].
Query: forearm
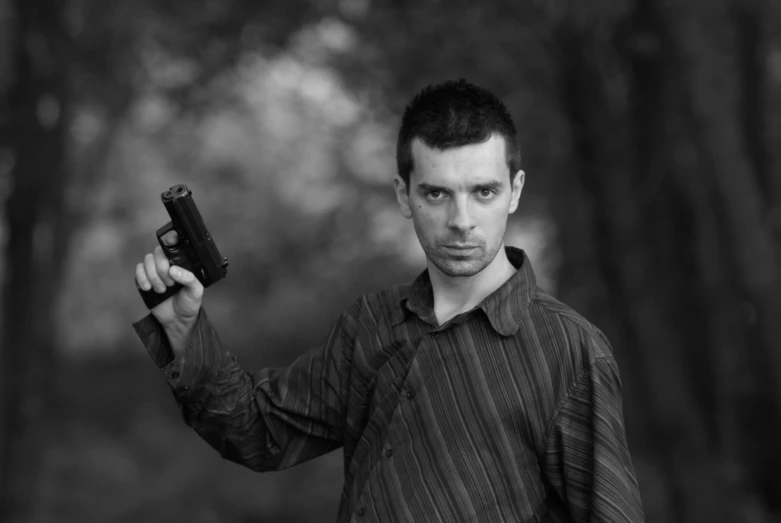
[
  {"x": 265, "y": 420},
  {"x": 214, "y": 394},
  {"x": 179, "y": 334},
  {"x": 224, "y": 411}
]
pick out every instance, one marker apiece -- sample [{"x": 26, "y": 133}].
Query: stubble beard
[{"x": 460, "y": 268}]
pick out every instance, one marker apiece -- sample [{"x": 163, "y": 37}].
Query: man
[{"x": 470, "y": 395}]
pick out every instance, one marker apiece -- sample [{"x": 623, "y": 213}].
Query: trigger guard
[
  {"x": 177, "y": 254},
  {"x": 170, "y": 251}
]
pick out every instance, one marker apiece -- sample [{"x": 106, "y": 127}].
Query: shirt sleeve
[
  {"x": 587, "y": 460},
  {"x": 266, "y": 420}
]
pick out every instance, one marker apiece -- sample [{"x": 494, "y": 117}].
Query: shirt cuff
[{"x": 186, "y": 372}]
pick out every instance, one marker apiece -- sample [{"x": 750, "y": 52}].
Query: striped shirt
[{"x": 509, "y": 412}]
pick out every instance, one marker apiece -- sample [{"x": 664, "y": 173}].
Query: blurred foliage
[{"x": 291, "y": 168}]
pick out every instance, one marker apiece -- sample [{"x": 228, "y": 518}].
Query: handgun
[{"x": 195, "y": 250}]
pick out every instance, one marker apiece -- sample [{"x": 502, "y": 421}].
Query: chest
[{"x": 457, "y": 379}]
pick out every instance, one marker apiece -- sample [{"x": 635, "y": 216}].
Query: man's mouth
[{"x": 460, "y": 246}]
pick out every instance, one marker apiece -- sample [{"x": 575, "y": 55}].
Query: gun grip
[{"x": 176, "y": 256}]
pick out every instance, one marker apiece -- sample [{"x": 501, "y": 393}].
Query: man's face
[{"x": 459, "y": 200}]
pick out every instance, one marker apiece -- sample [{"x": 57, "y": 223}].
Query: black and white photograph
[{"x": 377, "y": 261}]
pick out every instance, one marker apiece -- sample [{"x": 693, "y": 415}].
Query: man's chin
[{"x": 458, "y": 268}]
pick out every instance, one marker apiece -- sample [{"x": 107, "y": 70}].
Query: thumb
[{"x": 193, "y": 287}]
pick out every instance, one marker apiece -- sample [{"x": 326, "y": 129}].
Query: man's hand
[{"x": 179, "y": 312}]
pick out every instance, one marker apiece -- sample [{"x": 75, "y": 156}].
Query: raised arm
[{"x": 266, "y": 420}]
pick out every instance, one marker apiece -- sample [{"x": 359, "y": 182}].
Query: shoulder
[
  {"x": 576, "y": 351},
  {"x": 579, "y": 340}
]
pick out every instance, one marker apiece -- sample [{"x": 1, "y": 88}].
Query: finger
[
  {"x": 192, "y": 286},
  {"x": 151, "y": 273},
  {"x": 162, "y": 264},
  {"x": 170, "y": 238},
  {"x": 141, "y": 278}
]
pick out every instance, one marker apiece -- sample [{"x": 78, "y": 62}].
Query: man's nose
[{"x": 460, "y": 216}]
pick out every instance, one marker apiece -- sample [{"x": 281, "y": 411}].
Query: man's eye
[
  {"x": 434, "y": 195},
  {"x": 486, "y": 193}
]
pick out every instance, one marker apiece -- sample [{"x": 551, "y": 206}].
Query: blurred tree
[
  {"x": 76, "y": 67},
  {"x": 719, "y": 49},
  {"x": 671, "y": 149},
  {"x": 34, "y": 133}
]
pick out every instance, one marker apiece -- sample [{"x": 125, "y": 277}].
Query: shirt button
[
  {"x": 388, "y": 451},
  {"x": 361, "y": 511},
  {"x": 409, "y": 394},
  {"x": 175, "y": 375}
]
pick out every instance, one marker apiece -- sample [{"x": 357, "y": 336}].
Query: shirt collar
[{"x": 503, "y": 307}]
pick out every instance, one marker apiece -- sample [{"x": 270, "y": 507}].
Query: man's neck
[{"x": 454, "y": 295}]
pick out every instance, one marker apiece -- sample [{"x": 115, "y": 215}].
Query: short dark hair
[{"x": 452, "y": 114}]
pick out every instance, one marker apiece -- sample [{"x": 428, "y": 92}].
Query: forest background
[{"x": 650, "y": 132}]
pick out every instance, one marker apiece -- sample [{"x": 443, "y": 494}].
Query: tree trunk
[
  {"x": 36, "y": 131},
  {"x": 710, "y": 56},
  {"x": 619, "y": 106},
  {"x": 752, "y": 50}
]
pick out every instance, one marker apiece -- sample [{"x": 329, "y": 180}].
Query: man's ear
[
  {"x": 520, "y": 177},
  {"x": 402, "y": 195}
]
